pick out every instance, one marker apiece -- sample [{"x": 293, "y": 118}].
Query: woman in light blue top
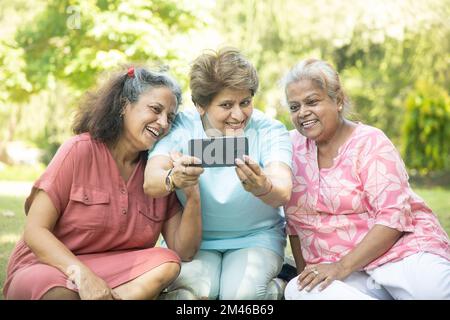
[{"x": 243, "y": 241}]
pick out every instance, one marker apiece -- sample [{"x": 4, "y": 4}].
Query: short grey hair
[
  {"x": 144, "y": 79},
  {"x": 321, "y": 73}
]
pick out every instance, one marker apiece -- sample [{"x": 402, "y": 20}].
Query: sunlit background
[{"x": 393, "y": 57}]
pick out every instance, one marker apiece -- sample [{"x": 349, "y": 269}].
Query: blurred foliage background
[{"x": 393, "y": 57}]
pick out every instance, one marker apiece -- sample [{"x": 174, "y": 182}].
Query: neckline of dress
[
  {"x": 116, "y": 167},
  {"x": 341, "y": 149}
]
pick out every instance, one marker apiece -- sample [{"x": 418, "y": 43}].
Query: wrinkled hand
[
  {"x": 323, "y": 274},
  {"x": 252, "y": 176},
  {"x": 91, "y": 287},
  {"x": 183, "y": 175},
  {"x": 192, "y": 191}
]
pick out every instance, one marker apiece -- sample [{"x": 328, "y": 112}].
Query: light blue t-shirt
[{"x": 232, "y": 217}]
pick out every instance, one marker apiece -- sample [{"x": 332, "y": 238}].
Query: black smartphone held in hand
[{"x": 218, "y": 151}]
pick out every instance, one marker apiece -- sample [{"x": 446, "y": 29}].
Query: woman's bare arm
[
  {"x": 38, "y": 235},
  {"x": 183, "y": 232},
  {"x": 297, "y": 253}
]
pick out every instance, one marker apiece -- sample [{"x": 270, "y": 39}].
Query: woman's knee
[
  {"x": 150, "y": 284},
  {"x": 200, "y": 276},
  {"x": 252, "y": 289},
  {"x": 436, "y": 287},
  {"x": 239, "y": 291},
  {"x": 431, "y": 285},
  {"x": 161, "y": 277},
  {"x": 291, "y": 291},
  {"x": 203, "y": 288},
  {"x": 26, "y": 286},
  {"x": 167, "y": 273},
  {"x": 337, "y": 290},
  {"x": 60, "y": 293},
  {"x": 411, "y": 277}
]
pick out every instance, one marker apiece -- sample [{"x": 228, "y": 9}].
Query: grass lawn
[
  {"x": 439, "y": 200},
  {"x": 11, "y": 225},
  {"x": 21, "y": 172},
  {"x": 11, "y": 228}
]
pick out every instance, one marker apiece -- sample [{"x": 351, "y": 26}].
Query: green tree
[
  {"x": 70, "y": 44},
  {"x": 14, "y": 86},
  {"x": 380, "y": 48},
  {"x": 426, "y": 129},
  {"x": 75, "y": 41}
]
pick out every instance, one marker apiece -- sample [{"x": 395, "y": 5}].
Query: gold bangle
[{"x": 170, "y": 185}]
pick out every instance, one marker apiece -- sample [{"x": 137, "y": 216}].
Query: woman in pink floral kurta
[{"x": 357, "y": 229}]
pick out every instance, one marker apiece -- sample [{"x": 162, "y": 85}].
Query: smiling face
[
  {"x": 149, "y": 119},
  {"x": 313, "y": 113},
  {"x": 229, "y": 112}
]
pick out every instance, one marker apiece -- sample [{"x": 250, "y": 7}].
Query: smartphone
[{"x": 218, "y": 151}]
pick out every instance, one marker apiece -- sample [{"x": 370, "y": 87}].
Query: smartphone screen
[{"x": 218, "y": 151}]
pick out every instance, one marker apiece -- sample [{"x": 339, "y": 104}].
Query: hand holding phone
[
  {"x": 218, "y": 151},
  {"x": 183, "y": 175},
  {"x": 252, "y": 177}
]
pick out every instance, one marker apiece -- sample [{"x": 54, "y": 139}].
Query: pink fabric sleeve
[
  {"x": 385, "y": 182},
  {"x": 57, "y": 179}
]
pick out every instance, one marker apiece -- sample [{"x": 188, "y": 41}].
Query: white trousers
[
  {"x": 419, "y": 276},
  {"x": 240, "y": 274}
]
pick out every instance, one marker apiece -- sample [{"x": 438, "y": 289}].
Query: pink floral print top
[{"x": 332, "y": 209}]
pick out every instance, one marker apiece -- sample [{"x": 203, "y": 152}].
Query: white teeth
[
  {"x": 154, "y": 131},
  {"x": 306, "y": 123},
  {"x": 234, "y": 124}
]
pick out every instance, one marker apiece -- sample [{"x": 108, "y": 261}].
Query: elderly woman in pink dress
[
  {"x": 91, "y": 230},
  {"x": 356, "y": 228}
]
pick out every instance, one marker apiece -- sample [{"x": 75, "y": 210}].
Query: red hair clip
[{"x": 131, "y": 72}]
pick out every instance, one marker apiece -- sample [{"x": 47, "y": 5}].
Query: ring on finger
[
  {"x": 316, "y": 273},
  {"x": 244, "y": 182},
  {"x": 184, "y": 169}
]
